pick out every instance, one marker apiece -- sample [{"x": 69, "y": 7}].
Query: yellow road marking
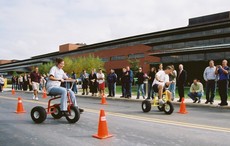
[{"x": 142, "y": 118}]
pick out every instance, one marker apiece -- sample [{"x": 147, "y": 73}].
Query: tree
[
  {"x": 45, "y": 68},
  {"x": 87, "y": 63},
  {"x": 134, "y": 65},
  {"x": 76, "y": 64}
]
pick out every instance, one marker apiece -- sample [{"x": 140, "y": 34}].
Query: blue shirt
[{"x": 222, "y": 75}]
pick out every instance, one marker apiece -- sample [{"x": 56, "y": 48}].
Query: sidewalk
[{"x": 188, "y": 101}]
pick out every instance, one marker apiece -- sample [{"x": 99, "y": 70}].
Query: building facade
[{"x": 205, "y": 38}]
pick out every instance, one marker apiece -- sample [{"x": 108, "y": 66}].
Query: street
[{"x": 125, "y": 119}]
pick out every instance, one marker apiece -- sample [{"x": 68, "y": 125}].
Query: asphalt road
[{"x": 126, "y": 122}]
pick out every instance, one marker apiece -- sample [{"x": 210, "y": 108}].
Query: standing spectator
[
  {"x": 223, "y": 72},
  {"x": 16, "y": 83},
  {"x": 160, "y": 67},
  {"x": 123, "y": 82},
  {"x": 140, "y": 83},
  {"x": 85, "y": 82},
  {"x": 73, "y": 76},
  {"x": 30, "y": 85},
  {"x": 151, "y": 77},
  {"x": 20, "y": 82},
  {"x": 2, "y": 82},
  {"x": 43, "y": 82},
  {"x": 93, "y": 83},
  {"x": 101, "y": 82},
  {"x": 181, "y": 80},
  {"x": 112, "y": 79},
  {"x": 35, "y": 82},
  {"x": 13, "y": 80},
  {"x": 172, "y": 79},
  {"x": 129, "y": 75},
  {"x": 210, "y": 78},
  {"x": 196, "y": 91},
  {"x": 25, "y": 82}
]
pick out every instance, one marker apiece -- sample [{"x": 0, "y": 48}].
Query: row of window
[
  {"x": 205, "y": 33},
  {"x": 193, "y": 43},
  {"x": 196, "y": 57},
  {"x": 123, "y": 57}
]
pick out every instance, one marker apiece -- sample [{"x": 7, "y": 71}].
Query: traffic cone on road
[
  {"x": 103, "y": 100},
  {"x": 20, "y": 108},
  {"x": 182, "y": 107},
  {"x": 13, "y": 91},
  {"x": 44, "y": 94},
  {"x": 102, "y": 127}
]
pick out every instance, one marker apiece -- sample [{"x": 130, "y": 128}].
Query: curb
[{"x": 190, "y": 104}]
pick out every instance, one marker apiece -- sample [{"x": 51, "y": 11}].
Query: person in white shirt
[
  {"x": 161, "y": 81},
  {"x": 101, "y": 81},
  {"x": 210, "y": 77},
  {"x": 56, "y": 76}
]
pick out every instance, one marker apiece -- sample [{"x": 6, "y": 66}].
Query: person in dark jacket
[
  {"x": 112, "y": 79},
  {"x": 123, "y": 82},
  {"x": 140, "y": 83},
  {"x": 85, "y": 82},
  {"x": 93, "y": 85},
  {"x": 181, "y": 80},
  {"x": 129, "y": 82},
  {"x": 151, "y": 77}
]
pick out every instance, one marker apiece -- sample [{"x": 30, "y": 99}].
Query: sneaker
[
  {"x": 195, "y": 100},
  {"x": 33, "y": 97},
  {"x": 36, "y": 98},
  {"x": 161, "y": 102},
  {"x": 206, "y": 102},
  {"x": 65, "y": 113},
  {"x": 81, "y": 110}
]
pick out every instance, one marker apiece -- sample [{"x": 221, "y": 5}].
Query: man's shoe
[
  {"x": 178, "y": 100},
  {"x": 122, "y": 96},
  {"x": 195, "y": 100},
  {"x": 83, "y": 93},
  {"x": 211, "y": 102},
  {"x": 206, "y": 102},
  {"x": 36, "y": 98},
  {"x": 161, "y": 102},
  {"x": 81, "y": 110},
  {"x": 65, "y": 113},
  {"x": 198, "y": 101},
  {"x": 109, "y": 96}
]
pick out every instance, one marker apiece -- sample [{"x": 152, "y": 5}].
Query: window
[
  {"x": 118, "y": 58},
  {"x": 105, "y": 59},
  {"x": 139, "y": 55}
]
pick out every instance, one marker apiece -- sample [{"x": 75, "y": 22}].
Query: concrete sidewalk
[{"x": 188, "y": 101}]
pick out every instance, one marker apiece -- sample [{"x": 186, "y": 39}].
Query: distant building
[{"x": 205, "y": 38}]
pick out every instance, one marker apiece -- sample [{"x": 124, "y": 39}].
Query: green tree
[
  {"x": 134, "y": 65},
  {"x": 87, "y": 63},
  {"x": 45, "y": 68}
]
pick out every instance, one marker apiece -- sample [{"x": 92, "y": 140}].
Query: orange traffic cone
[
  {"x": 102, "y": 127},
  {"x": 182, "y": 107},
  {"x": 13, "y": 91},
  {"x": 103, "y": 100},
  {"x": 20, "y": 108},
  {"x": 44, "y": 94}
]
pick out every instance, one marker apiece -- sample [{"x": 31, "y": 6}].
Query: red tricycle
[{"x": 39, "y": 113}]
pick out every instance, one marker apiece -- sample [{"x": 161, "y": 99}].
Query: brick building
[{"x": 205, "y": 38}]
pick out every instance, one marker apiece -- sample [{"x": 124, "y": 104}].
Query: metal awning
[{"x": 195, "y": 50}]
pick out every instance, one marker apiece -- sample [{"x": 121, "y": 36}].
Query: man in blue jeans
[
  {"x": 57, "y": 75},
  {"x": 196, "y": 91},
  {"x": 140, "y": 83}
]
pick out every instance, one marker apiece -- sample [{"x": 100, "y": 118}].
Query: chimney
[{"x": 69, "y": 47}]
